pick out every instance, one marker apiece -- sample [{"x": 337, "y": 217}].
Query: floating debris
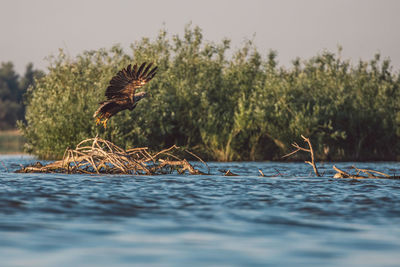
[
  {"x": 340, "y": 173},
  {"x": 228, "y": 173},
  {"x": 367, "y": 174}
]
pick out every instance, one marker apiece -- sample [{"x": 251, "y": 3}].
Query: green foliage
[
  {"x": 12, "y": 89},
  {"x": 242, "y": 107}
]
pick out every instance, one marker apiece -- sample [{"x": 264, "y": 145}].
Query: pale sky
[{"x": 31, "y": 30}]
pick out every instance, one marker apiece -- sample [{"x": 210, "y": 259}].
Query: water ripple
[{"x": 285, "y": 220}]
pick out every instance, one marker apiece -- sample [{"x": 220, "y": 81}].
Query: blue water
[{"x": 293, "y": 219}]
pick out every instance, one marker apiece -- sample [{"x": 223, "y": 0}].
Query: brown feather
[
  {"x": 140, "y": 69},
  {"x": 125, "y": 83},
  {"x": 134, "y": 70},
  {"x": 121, "y": 91},
  {"x": 145, "y": 71},
  {"x": 152, "y": 72},
  {"x": 109, "y": 108}
]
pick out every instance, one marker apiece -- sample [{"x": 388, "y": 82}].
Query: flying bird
[{"x": 121, "y": 91}]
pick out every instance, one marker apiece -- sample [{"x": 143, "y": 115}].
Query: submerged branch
[
  {"x": 342, "y": 174},
  {"x": 309, "y": 150}
]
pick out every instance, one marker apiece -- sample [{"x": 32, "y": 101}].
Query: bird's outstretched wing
[{"x": 125, "y": 83}]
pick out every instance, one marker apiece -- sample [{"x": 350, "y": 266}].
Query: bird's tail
[{"x": 100, "y": 110}]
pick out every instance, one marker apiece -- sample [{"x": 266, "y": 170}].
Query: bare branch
[
  {"x": 309, "y": 150},
  {"x": 194, "y": 155},
  {"x": 368, "y": 172}
]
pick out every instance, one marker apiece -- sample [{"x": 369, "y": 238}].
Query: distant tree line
[
  {"x": 241, "y": 106},
  {"x": 12, "y": 90}
]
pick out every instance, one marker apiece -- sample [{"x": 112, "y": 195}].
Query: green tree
[
  {"x": 239, "y": 107},
  {"x": 12, "y": 89},
  {"x": 10, "y": 96}
]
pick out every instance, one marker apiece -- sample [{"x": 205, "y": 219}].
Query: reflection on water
[{"x": 294, "y": 219}]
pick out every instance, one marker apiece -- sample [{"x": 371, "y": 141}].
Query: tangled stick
[
  {"x": 309, "y": 150},
  {"x": 96, "y": 156}
]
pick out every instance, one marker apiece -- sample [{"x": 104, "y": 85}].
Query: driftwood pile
[{"x": 96, "y": 155}]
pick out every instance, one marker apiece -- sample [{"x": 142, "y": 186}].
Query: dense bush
[{"x": 241, "y": 107}]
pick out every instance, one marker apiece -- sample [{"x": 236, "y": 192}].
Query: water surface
[{"x": 293, "y": 219}]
